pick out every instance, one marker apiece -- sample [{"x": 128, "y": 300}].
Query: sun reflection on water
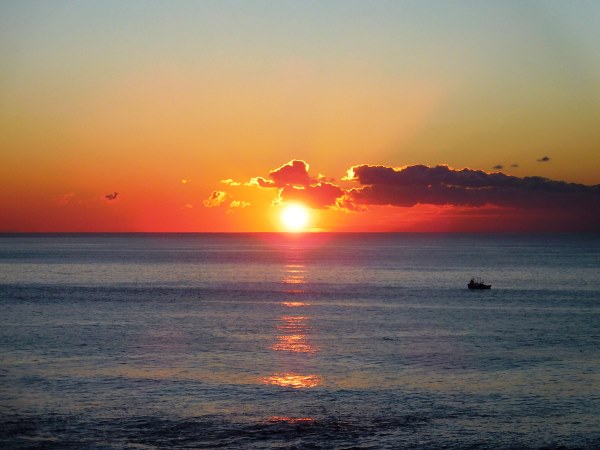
[
  {"x": 293, "y": 343},
  {"x": 289, "y": 420},
  {"x": 293, "y": 323},
  {"x": 293, "y": 279},
  {"x": 292, "y": 340},
  {"x": 293, "y": 274},
  {"x": 294, "y": 304},
  {"x": 293, "y": 380}
]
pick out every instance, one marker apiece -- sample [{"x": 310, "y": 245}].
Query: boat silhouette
[{"x": 477, "y": 283}]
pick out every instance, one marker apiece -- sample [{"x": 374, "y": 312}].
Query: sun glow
[{"x": 295, "y": 217}]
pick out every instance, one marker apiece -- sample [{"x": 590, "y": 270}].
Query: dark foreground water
[{"x": 299, "y": 341}]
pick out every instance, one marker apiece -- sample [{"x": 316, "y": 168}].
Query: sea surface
[{"x": 317, "y": 341}]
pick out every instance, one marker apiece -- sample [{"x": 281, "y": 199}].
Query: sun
[{"x": 295, "y": 217}]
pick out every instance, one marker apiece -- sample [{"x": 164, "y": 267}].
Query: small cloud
[
  {"x": 293, "y": 173},
  {"x": 543, "y": 159},
  {"x": 514, "y": 166},
  {"x": 260, "y": 182},
  {"x": 216, "y": 199},
  {"x": 64, "y": 199},
  {"x": 111, "y": 197},
  {"x": 188, "y": 206},
  {"x": 239, "y": 204},
  {"x": 231, "y": 182},
  {"x": 185, "y": 181},
  {"x": 498, "y": 167}
]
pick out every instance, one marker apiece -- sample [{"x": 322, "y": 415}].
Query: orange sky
[{"x": 103, "y": 97}]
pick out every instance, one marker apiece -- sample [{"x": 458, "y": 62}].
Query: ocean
[{"x": 316, "y": 341}]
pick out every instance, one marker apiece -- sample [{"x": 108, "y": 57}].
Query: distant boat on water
[{"x": 477, "y": 283}]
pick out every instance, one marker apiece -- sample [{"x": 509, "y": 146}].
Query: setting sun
[{"x": 295, "y": 217}]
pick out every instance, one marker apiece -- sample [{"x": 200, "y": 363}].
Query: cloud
[
  {"x": 345, "y": 203},
  {"x": 185, "y": 181},
  {"x": 217, "y": 198},
  {"x": 543, "y": 159},
  {"x": 111, "y": 197},
  {"x": 294, "y": 173},
  {"x": 498, "y": 167},
  {"x": 261, "y": 182},
  {"x": 515, "y": 165},
  {"x": 441, "y": 185},
  {"x": 239, "y": 204},
  {"x": 420, "y": 175},
  {"x": 321, "y": 195},
  {"x": 296, "y": 185},
  {"x": 231, "y": 182}
]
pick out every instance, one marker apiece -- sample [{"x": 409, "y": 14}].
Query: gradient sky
[{"x": 159, "y": 101}]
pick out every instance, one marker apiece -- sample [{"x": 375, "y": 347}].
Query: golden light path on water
[{"x": 293, "y": 338}]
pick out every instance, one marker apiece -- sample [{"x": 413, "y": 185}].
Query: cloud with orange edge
[
  {"x": 295, "y": 184},
  {"x": 293, "y": 173}
]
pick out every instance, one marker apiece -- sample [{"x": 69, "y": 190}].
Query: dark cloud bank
[
  {"x": 576, "y": 205},
  {"x": 441, "y": 185}
]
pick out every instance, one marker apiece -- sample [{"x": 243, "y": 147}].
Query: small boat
[{"x": 477, "y": 283}]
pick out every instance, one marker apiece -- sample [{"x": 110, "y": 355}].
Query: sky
[{"x": 213, "y": 116}]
